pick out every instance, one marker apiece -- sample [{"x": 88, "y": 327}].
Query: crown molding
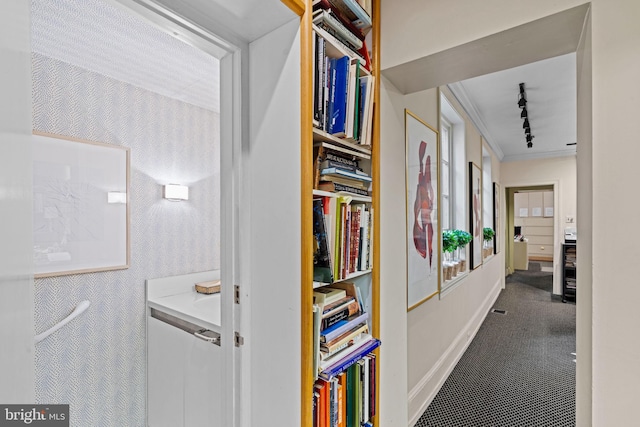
[
  {"x": 469, "y": 107},
  {"x": 542, "y": 155}
]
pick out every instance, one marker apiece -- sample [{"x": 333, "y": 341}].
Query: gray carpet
[{"x": 518, "y": 370}]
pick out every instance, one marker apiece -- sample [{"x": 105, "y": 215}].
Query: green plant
[
  {"x": 463, "y": 237},
  {"x": 488, "y": 233},
  {"x": 449, "y": 241}
]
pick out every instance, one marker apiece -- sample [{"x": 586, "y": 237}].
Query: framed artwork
[
  {"x": 81, "y": 206},
  {"x": 496, "y": 217},
  {"x": 423, "y": 234},
  {"x": 475, "y": 214}
]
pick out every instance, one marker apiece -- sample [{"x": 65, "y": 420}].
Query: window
[
  {"x": 452, "y": 186},
  {"x": 487, "y": 199}
]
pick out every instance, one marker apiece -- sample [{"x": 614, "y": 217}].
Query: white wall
[
  {"x": 584, "y": 203},
  {"x": 274, "y": 178},
  {"x": 16, "y": 270},
  {"x": 439, "y": 330},
  {"x": 615, "y": 108}
]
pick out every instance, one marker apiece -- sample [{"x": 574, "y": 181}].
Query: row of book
[
  {"x": 338, "y": 173},
  {"x": 343, "y": 234},
  {"x": 348, "y": 399},
  {"x": 343, "y": 101}
]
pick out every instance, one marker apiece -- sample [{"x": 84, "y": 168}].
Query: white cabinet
[{"x": 183, "y": 378}]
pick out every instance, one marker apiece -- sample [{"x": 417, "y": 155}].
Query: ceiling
[
  {"x": 492, "y": 102},
  {"x": 96, "y": 36}
]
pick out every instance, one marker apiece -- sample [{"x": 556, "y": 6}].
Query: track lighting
[{"x": 524, "y": 114}]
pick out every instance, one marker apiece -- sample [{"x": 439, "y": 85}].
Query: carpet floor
[{"x": 518, "y": 371}]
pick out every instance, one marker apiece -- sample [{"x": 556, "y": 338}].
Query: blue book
[
  {"x": 342, "y": 326},
  {"x": 338, "y": 104},
  {"x": 344, "y": 364}
]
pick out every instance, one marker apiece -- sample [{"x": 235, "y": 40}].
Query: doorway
[{"x": 532, "y": 240}]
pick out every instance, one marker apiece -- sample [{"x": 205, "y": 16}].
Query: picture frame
[
  {"x": 422, "y": 149},
  {"x": 81, "y": 206},
  {"x": 475, "y": 214},
  {"x": 496, "y": 218}
]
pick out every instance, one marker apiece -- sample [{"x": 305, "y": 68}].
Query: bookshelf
[{"x": 331, "y": 374}]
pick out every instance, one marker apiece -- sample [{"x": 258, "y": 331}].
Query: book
[
  {"x": 367, "y": 110},
  {"x": 318, "y": 78},
  {"x": 322, "y": 269},
  {"x": 341, "y": 188},
  {"x": 339, "y": 313},
  {"x": 337, "y": 305},
  {"x": 341, "y": 159},
  {"x": 353, "y": 11},
  {"x": 324, "y": 4},
  {"x": 355, "y": 183},
  {"x": 342, "y": 409},
  {"x": 333, "y": 367},
  {"x": 327, "y": 19},
  {"x": 344, "y": 356},
  {"x": 338, "y": 103},
  {"x": 328, "y": 163},
  {"x": 345, "y": 340},
  {"x": 317, "y": 320},
  {"x": 327, "y": 295},
  {"x": 342, "y": 326},
  {"x": 353, "y": 95},
  {"x": 345, "y": 173}
]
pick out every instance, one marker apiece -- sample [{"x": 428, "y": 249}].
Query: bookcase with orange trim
[{"x": 340, "y": 168}]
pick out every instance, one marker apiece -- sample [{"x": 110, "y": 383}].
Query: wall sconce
[{"x": 175, "y": 192}]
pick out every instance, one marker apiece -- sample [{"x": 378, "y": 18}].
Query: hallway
[{"x": 519, "y": 370}]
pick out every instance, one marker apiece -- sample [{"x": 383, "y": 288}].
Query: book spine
[
  {"x": 337, "y": 368},
  {"x": 327, "y": 164},
  {"x": 344, "y": 161},
  {"x": 342, "y": 314},
  {"x": 337, "y": 187},
  {"x": 339, "y": 97},
  {"x": 337, "y": 306},
  {"x": 329, "y": 334}
]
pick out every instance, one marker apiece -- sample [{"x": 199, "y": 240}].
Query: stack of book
[
  {"x": 345, "y": 388},
  {"x": 343, "y": 235},
  {"x": 343, "y": 105},
  {"x": 339, "y": 173}
]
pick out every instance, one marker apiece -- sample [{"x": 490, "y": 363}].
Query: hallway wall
[{"x": 439, "y": 330}]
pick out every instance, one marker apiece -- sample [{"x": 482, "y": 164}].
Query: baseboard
[{"x": 443, "y": 367}]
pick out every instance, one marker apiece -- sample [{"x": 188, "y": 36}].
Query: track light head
[
  {"x": 521, "y": 88},
  {"x": 522, "y": 102},
  {"x": 525, "y": 124},
  {"x": 530, "y": 137},
  {"x": 529, "y": 144},
  {"x": 524, "y": 113}
]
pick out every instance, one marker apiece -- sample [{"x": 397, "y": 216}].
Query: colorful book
[{"x": 327, "y": 295}]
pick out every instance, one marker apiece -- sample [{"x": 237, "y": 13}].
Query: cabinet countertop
[{"x": 177, "y": 296}]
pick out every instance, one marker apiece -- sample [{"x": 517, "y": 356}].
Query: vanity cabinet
[{"x": 183, "y": 378}]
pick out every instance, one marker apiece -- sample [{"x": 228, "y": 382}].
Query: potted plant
[
  {"x": 449, "y": 244},
  {"x": 487, "y": 234},
  {"x": 464, "y": 238}
]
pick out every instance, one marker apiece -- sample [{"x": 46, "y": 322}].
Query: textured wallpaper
[{"x": 97, "y": 363}]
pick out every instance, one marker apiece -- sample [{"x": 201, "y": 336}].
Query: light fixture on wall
[
  {"x": 175, "y": 192},
  {"x": 524, "y": 114}
]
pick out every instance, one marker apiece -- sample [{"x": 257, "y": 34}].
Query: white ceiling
[
  {"x": 492, "y": 102},
  {"x": 99, "y": 37}
]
